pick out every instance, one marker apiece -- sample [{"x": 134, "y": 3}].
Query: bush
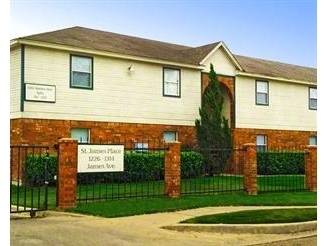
[
  {"x": 137, "y": 167},
  {"x": 280, "y": 162},
  {"x": 191, "y": 164},
  {"x": 35, "y": 169}
]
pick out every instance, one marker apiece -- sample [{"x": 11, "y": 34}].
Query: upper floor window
[
  {"x": 81, "y": 74},
  {"x": 312, "y": 98},
  {"x": 171, "y": 82},
  {"x": 261, "y": 142},
  {"x": 262, "y": 92}
]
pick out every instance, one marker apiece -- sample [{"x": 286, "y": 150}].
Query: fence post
[
  {"x": 311, "y": 167},
  {"x": 67, "y": 173},
  {"x": 250, "y": 169},
  {"x": 172, "y": 179}
]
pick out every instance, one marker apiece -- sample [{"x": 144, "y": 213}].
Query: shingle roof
[
  {"x": 81, "y": 37},
  {"x": 277, "y": 69}
]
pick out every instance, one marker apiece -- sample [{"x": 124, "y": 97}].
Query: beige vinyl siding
[
  {"x": 117, "y": 95},
  {"x": 288, "y": 107},
  {"x": 15, "y": 82},
  {"x": 221, "y": 63}
]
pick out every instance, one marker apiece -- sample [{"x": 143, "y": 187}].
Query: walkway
[{"x": 67, "y": 229}]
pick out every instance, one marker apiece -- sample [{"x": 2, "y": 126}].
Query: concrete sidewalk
[{"x": 58, "y": 228}]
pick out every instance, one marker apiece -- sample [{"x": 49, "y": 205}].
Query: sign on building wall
[
  {"x": 100, "y": 158},
  {"x": 41, "y": 93}
]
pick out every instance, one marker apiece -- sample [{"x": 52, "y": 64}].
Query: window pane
[
  {"x": 313, "y": 103},
  {"x": 260, "y": 140},
  {"x": 80, "y": 134},
  {"x": 81, "y": 64},
  {"x": 262, "y": 87},
  {"x": 81, "y": 79},
  {"x": 172, "y": 89},
  {"x": 313, "y": 93},
  {"x": 171, "y": 75},
  {"x": 313, "y": 141},
  {"x": 169, "y": 136},
  {"x": 261, "y": 98}
]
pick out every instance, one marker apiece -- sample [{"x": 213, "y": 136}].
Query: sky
[{"x": 279, "y": 30}]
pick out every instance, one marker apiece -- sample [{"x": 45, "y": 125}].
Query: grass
[
  {"x": 261, "y": 216},
  {"x": 129, "y": 207}
]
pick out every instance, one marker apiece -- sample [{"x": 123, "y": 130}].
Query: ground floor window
[
  {"x": 313, "y": 140},
  {"x": 82, "y": 135},
  {"x": 261, "y": 142},
  {"x": 170, "y": 136}
]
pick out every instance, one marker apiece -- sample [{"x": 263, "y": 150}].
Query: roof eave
[
  {"x": 102, "y": 53},
  {"x": 255, "y": 75}
]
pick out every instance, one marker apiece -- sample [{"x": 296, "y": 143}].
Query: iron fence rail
[
  {"x": 26, "y": 196},
  {"x": 130, "y": 183}
]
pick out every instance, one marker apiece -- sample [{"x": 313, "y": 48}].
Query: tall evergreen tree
[{"x": 212, "y": 129}]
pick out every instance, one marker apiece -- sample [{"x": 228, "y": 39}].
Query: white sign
[
  {"x": 100, "y": 158},
  {"x": 42, "y": 93}
]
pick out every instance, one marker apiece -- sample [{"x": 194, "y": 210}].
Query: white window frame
[
  {"x": 81, "y": 66},
  {"x": 171, "y": 82},
  {"x": 262, "y": 92},
  {"x": 82, "y": 135},
  {"x": 312, "y": 98},
  {"x": 261, "y": 142},
  {"x": 170, "y": 136}
]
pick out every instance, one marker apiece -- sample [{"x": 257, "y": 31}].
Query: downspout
[{"x": 22, "y": 73}]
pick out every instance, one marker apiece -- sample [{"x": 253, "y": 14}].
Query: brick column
[
  {"x": 172, "y": 170},
  {"x": 250, "y": 169},
  {"x": 67, "y": 173},
  {"x": 311, "y": 167}
]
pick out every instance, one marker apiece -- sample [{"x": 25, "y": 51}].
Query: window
[
  {"x": 141, "y": 147},
  {"x": 170, "y": 136},
  {"x": 313, "y": 98},
  {"x": 81, "y": 75},
  {"x": 80, "y": 134},
  {"x": 261, "y": 142},
  {"x": 262, "y": 93},
  {"x": 313, "y": 140},
  {"x": 171, "y": 82}
]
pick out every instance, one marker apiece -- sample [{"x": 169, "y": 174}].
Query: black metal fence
[
  {"x": 281, "y": 170},
  {"x": 143, "y": 174},
  {"x": 28, "y": 179},
  {"x": 221, "y": 171}
]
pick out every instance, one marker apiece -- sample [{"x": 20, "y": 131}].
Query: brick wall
[
  {"x": 275, "y": 138},
  {"x": 47, "y": 132}
]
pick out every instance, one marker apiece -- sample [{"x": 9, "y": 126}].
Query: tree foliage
[{"x": 212, "y": 129}]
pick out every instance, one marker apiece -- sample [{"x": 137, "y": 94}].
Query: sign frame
[
  {"x": 100, "y": 158},
  {"x": 40, "y": 93}
]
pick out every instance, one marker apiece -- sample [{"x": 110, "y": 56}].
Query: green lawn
[
  {"x": 127, "y": 199},
  {"x": 129, "y": 207},
  {"x": 261, "y": 216}
]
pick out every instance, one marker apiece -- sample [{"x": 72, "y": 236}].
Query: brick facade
[
  {"x": 47, "y": 132},
  {"x": 275, "y": 138}
]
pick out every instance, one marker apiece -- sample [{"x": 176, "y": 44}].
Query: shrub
[
  {"x": 280, "y": 162},
  {"x": 138, "y": 166},
  {"x": 35, "y": 169}
]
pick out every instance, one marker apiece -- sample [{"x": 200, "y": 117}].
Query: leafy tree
[{"x": 212, "y": 129}]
